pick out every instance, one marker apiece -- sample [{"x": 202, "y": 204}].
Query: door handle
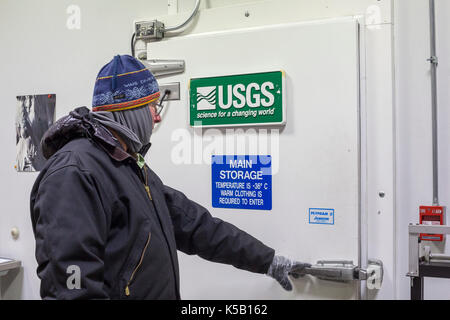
[{"x": 346, "y": 271}]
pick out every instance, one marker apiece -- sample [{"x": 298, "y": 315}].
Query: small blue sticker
[{"x": 321, "y": 216}]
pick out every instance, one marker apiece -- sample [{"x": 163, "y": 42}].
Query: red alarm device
[{"x": 432, "y": 216}]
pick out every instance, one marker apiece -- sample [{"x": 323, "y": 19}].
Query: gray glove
[{"x": 281, "y": 268}]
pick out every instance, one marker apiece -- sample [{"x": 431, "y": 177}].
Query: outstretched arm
[{"x": 197, "y": 232}]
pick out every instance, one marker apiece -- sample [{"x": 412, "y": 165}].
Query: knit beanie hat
[
  {"x": 123, "y": 84},
  {"x": 122, "y": 92}
]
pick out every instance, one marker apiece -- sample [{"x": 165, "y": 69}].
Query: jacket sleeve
[
  {"x": 70, "y": 230},
  {"x": 197, "y": 232}
]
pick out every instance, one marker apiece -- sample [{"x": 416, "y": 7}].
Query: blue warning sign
[{"x": 242, "y": 182}]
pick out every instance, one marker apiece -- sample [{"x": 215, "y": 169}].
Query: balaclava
[{"x": 122, "y": 93}]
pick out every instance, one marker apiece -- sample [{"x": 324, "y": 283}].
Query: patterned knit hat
[{"x": 123, "y": 84}]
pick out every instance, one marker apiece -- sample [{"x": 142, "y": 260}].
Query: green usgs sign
[{"x": 238, "y": 100}]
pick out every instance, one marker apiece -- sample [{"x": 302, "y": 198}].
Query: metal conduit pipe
[
  {"x": 434, "y": 64},
  {"x": 194, "y": 12}
]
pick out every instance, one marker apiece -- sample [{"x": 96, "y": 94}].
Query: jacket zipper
[
  {"x": 147, "y": 188},
  {"x": 127, "y": 288}
]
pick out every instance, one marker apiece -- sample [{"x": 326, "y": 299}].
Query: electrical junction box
[
  {"x": 147, "y": 30},
  {"x": 432, "y": 216}
]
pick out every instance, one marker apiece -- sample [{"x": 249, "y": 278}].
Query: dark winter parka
[{"x": 97, "y": 214}]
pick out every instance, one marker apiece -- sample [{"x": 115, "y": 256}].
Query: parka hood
[{"x": 81, "y": 123}]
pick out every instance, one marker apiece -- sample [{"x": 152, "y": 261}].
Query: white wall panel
[{"x": 414, "y": 156}]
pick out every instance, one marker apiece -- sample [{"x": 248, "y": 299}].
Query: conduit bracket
[{"x": 433, "y": 60}]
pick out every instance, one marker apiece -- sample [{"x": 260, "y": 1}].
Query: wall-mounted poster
[{"x": 35, "y": 114}]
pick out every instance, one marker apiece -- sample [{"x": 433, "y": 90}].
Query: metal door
[{"x": 316, "y": 155}]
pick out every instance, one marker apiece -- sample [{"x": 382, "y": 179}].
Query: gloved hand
[{"x": 282, "y": 267}]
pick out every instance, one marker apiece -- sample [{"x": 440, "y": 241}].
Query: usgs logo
[{"x": 253, "y": 95}]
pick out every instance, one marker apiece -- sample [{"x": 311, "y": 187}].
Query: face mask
[{"x": 134, "y": 126}]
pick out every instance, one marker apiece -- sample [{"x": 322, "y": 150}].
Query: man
[{"x": 100, "y": 214}]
